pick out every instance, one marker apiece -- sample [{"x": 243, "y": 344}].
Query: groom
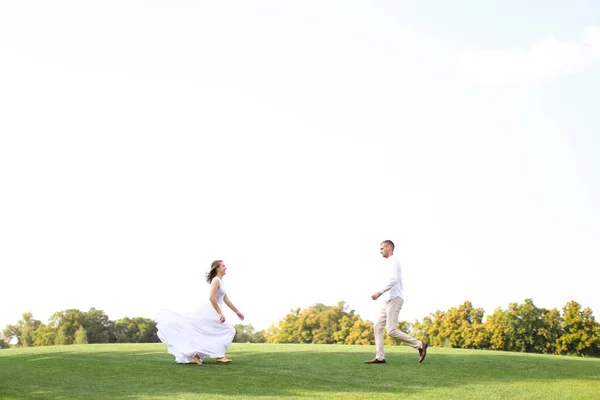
[{"x": 394, "y": 299}]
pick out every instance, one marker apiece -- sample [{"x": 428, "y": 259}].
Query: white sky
[{"x": 140, "y": 140}]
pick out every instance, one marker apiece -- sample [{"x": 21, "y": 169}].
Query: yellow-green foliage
[{"x": 322, "y": 324}]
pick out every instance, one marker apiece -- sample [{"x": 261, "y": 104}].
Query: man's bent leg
[{"x": 393, "y": 308}]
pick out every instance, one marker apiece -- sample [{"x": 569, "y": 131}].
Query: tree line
[
  {"x": 522, "y": 327},
  {"x": 322, "y": 324},
  {"x": 77, "y": 327}
]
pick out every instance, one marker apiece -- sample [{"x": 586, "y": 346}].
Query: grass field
[{"x": 263, "y": 371}]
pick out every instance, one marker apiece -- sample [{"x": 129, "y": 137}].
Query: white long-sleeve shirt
[{"x": 393, "y": 279}]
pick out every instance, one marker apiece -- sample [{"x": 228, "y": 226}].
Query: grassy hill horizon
[{"x": 292, "y": 371}]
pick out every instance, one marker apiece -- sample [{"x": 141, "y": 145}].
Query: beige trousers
[{"x": 388, "y": 318}]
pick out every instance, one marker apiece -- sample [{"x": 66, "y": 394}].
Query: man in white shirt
[{"x": 394, "y": 299}]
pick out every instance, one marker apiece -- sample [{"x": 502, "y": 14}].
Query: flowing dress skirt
[{"x": 199, "y": 332}]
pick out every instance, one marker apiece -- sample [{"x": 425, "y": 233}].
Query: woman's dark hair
[{"x": 213, "y": 270}]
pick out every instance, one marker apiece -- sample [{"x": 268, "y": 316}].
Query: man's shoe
[
  {"x": 423, "y": 351},
  {"x": 375, "y": 361}
]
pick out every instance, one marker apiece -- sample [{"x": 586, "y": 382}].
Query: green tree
[
  {"x": 27, "y": 327},
  {"x": 321, "y": 324},
  {"x": 135, "y": 330},
  {"x": 353, "y": 330},
  {"x": 44, "y": 335},
  {"x": 4, "y": 344},
  {"x": 247, "y": 334},
  {"x": 11, "y": 332},
  {"x": 421, "y": 330},
  {"x": 527, "y": 322},
  {"x": 361, "y": 332},
  {"x": 429, "y": 330},
  {"x": 66, "y": 324},
  {"x": 307, "y": 323},
  {"x": 285, "y": 331},
  {"x": 581, "y": 332},
  {"x": 98, "y": 326},
  {"x": 549, "y": 332},
  {"x": 61, "y": 337},
  {"x": 329, "y": 330},
  {"x": 498, "y": 328},
  {"x": 520, "y": 328},
  {"x": 81, "y": 336},
  {"x": 460, "y": 327},
  {"x": 260, "y": 337}
]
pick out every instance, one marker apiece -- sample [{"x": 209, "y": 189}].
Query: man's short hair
[{"x": 389, "y": 243}]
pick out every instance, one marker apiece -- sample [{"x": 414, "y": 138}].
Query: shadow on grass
[{"x": 118, "y": 372}]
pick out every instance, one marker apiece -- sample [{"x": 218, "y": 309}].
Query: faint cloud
[{"x": 546, "y": 59}]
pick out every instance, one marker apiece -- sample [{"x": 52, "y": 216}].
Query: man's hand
[{"x": 376, "y": 295}]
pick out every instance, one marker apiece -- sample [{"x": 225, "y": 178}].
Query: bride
[{"x": 204, "y": 332}]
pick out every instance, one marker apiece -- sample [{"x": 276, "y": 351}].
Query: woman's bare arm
[
  {"x": 214, "y": 286},
  {"x": 233, "y": 308}
]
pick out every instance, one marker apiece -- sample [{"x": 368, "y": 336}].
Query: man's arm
[{"x": 391, "y": 282}]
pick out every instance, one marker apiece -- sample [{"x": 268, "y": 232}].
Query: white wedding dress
[{"x": 199, "y": 332}]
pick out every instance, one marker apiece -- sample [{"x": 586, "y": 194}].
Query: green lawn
[{"x": 264, "y": 371}]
